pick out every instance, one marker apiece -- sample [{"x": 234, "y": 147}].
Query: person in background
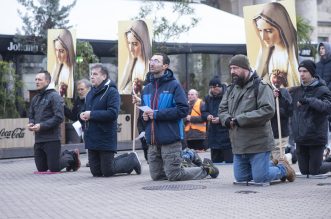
[
  {"x": 285, "y": 112},
  {"x": 217, "y": 134},
  {"x": 99, "y": 119},
  {"x": 164, "y": 121},
  {"x": 246, "y": 110},
  {"x": 45, "y": 116},
  {"x": 311, "y": 108},
  {"x": 83, "y": 87},
  {"x": 195, "y": 126},
  {"x": 323, "y": 67}
]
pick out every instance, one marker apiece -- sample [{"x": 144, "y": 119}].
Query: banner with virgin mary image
[
  {"x": 61, "y": 57},
  {"x": 272, "y": 41},
  {"x": 134, "y": 52}
]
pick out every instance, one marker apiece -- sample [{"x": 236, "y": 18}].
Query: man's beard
[{"x": 238, "y": 80}]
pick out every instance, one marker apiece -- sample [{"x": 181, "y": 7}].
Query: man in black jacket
[
  {"x": 45, "y": 117},
  {"x": 311, "y": 107}
]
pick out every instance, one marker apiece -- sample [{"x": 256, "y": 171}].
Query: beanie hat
[
  {"x": 215, "y": 81},
  {"x": 310, "y": 66},
  {"x": 241, "y": 61}
]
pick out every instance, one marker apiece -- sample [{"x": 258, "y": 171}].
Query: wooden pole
[
  {"x": 279, "y": 129},
  {"x": 134, "y": 127}
]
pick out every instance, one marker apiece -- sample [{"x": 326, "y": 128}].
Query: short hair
[
  {"x": 165, "y": 57},
  {"x": 84, "y": 81},
  {"x": 48, "y": 76},
  {"x": 102, "y": 68}
]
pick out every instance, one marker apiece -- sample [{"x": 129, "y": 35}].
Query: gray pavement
[{"x": 24, "y": 194}]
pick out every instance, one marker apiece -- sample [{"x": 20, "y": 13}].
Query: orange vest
[{"x": 196, "y": 112}]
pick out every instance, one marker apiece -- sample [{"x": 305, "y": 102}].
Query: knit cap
[
  {"x": 215, "y": 81},
  {"x": 240, "y": 61},
  {"x": 310, "y": 66}
]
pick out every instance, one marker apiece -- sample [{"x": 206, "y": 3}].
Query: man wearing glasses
[{"x": 165, "y": 107}]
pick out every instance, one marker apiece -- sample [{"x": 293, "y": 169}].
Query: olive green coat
[{"x": 254, "y": 134}]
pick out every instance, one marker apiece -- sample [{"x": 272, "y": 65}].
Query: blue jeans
[{"x": 256, "y": 167}]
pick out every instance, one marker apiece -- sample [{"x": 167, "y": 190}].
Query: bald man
[{"x": 195, "y": 126}]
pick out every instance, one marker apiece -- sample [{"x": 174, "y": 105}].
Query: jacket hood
[
  {"x": 167, "y": 76},
  {"x": 327, "y": 47},
  {"x": 105, "y": 85}
]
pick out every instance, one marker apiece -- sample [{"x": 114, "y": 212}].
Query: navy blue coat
[
  {"x": 168, "y": 100},
  {"x": 100, "y": 132},
  {"x": 217, "y": 135}
]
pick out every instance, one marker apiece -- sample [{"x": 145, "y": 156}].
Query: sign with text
[{"x": 13, "y": 133}]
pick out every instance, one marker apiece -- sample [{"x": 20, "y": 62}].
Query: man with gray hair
[
  {"x": 83, "y": 87},
  {"x": 99, "y": 119},
  {"x": 195, "y": 126}
]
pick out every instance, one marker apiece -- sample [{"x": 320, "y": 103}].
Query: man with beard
[{"x": 247, "y": 115}]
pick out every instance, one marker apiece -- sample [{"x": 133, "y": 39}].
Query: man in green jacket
[{"x": 246, "y": 110}]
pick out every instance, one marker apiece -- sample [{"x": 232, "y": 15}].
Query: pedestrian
[
  {"x": 167, "y": 105},
  {"x": 246, "y": 110},
  {"x": 217, "y": 135},
  {"x": 323, "y": 67},
  {"x": 99, "y": 119},
  {"x": 45, "y": 117},
  {"x": 195, "y": 126},
  {"x": 311, "y": 107}
]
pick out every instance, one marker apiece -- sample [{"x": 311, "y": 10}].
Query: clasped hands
[
  {"x": 85, "y": 116},
  {"x": 33, "y": 127},
  {"x": 148, "y": 114}
]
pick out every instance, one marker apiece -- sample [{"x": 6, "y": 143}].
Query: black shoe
[
  {"x": 77, "y": 163},
  {"x": 136, "y": 161},
  {"x": 196, "y": 159},
  {"x": 211, "y": 169},
  {"x": 87, "y": 164}
]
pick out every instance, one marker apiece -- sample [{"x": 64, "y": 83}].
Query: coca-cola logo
[{"x": 16, "y": 133}]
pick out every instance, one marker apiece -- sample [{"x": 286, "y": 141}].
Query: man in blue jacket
[
  {"x": 167, "y": 106},
  {"x": 99, "y": 119}
]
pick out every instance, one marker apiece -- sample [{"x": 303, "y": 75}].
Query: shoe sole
[{"x": 136, "y": 155}]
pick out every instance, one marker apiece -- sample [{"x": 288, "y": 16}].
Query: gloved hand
[
  {"x": 228, "y": 122},
  {"x": 303, "y": 101}
]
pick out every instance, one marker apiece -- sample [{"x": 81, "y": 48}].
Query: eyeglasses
[{"x": 154, "y": 61}]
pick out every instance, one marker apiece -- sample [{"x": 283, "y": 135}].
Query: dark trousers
[
  {"x": 47, "y": 156},
  {"x": 310, "y": 159},
  {"x": 103, "y": 163},
  {"x": 221, "y": 155},
  {"x": 198, "y": 144}
]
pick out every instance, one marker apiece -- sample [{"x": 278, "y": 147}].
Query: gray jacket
[
  {"x": 46, "y": 108},
  {"x": 253, "y": 114}
]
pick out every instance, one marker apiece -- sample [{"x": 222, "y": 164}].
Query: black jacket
[
  {"x": 309, "y": 121},
  {"x": 73, "y": 114},
  {"x": 46, "y": 108},
  {"x": 285, "y": 111},
  {"x": 217, "y": 135},
  {"x": 323, "y": 67}
]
